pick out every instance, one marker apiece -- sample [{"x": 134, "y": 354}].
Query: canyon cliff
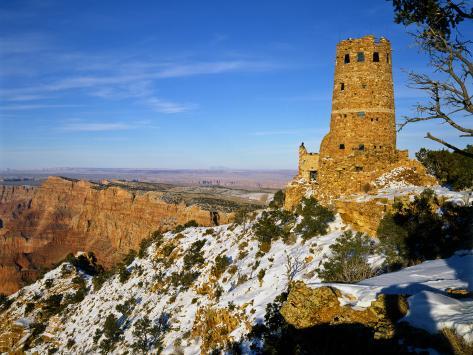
[{"x": 39, "y": 226}]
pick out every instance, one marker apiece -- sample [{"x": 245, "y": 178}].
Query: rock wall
[
  {"x": 363, "y": 216},
  {"x": 40, "y": 226}
]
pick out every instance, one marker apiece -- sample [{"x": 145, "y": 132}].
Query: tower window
[
  {"x": 361, "y": 147},
  {"x": 347, "y": 58},
  {"x": 375, "y": 57},
  {"x": 361, "y": 114},
  {"x": 363, "y": 86},
  {"x": 341, "y": 146},
  {"x": 344, "y": 115},
  {"x": 313, "y": 175},
  {"x": 360, "y": 57},
  {"x": 342, "y": 86},
  {"x": 358, "y": 168}
]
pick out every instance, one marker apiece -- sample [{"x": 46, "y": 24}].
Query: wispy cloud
[
  {"x": 164, "y": 106},
  {"x": 23, "y": 43},
  {"x": 138, "y": 85},
  {"x": 182, "y": 70},
  {"x": 96, "y": 126},
  {"x": 33, "y": 107}
]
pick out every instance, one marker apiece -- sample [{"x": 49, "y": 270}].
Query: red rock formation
[{"x": 40, "y": 226}]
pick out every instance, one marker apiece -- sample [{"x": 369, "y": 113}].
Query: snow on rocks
[
  {"x": 243, "y": 289},
  {"x": 393, "y": 179}
]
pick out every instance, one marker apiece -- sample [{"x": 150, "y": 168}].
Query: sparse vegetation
[
  {"x": 155, "y": 237},
  {"x": 5, "y": 302},
  {"x": 348, "y": 262},
  {"x": 85, "y": 263},
  {"x": 261, "y": 274},
  {"x": 451, "y": 169},
  {"x": 150, "y": 335},
  {"x": 278, "y": 200},
  {"x": 123, "y": 273},
  {"x": 315, "y": 218},
  {"x": 52, "y": 305},
  {"x": 111, "y": 332},
  {"x": 183, "y": 279},
  {"x": 271, "y": 226},
  {"x": 221, "y": 264},
  {"x": 182, "y": 227},
  {"x": 194, "y": 255},
  {"x": 423, "y": 229}
]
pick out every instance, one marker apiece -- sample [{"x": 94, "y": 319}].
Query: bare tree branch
[
  {"x": 448, "y": 145},
  {"x": 449, "y": 94}
]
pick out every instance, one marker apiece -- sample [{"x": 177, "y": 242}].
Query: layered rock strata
[{"x": 40, "y": 226}]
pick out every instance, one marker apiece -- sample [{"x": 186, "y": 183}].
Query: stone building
[{"x": 361, "y": 143}]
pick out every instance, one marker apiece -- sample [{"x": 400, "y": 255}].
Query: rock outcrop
[
  {"x": 40, "y": 226},
  {"x": 308, "y": 307}
]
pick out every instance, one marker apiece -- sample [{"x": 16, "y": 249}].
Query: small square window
[
  {"x": 342, "y": 146},
  {"x": 358, "y": 168},
  {"x": 375, "y": 57},
  {"x": 313, "y": 175},
  {"x": 361, "y": 114},
  {"x": 360, "y": 57},
  {"x": 363, "y": 86},
  {"x": 344, "y": 115},
  {"x": 342, "y": 86},
  {"x": 387, "y": 58},
  {"x": 361, "y": 147},
  {"x": 347, "y": 58}
]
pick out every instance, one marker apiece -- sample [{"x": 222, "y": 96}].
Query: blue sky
[{"x": 182, "y": 84}]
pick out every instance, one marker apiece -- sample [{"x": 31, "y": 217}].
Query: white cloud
[
  {"x": 95, "y": 126},
  {"x": 33, "y": 107},
  {"x": 163, "y": 106}
]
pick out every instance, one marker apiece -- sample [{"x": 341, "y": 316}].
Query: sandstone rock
[
  {"x": 308, "y": 307},
  {"x": 40, "y": 226},
  {"x": 214, "y": 325}
]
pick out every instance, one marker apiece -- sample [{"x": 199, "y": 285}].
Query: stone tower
[
  {"x": 361, "y": 143},
  {"x": 363, "y": 100}
]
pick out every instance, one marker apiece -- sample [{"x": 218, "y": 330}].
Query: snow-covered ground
[
  {"x": 461, "y": 198},
  {"x": 431, "y": 307}
]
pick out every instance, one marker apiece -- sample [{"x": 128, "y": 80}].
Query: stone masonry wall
[{"x": 361, "y": 143}]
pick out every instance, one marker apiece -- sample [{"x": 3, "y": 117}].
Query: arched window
[
  {"x": 375, "y": 57},
  {"x": 347, "y": 58},
  {"x": 342, "y": 86}
]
